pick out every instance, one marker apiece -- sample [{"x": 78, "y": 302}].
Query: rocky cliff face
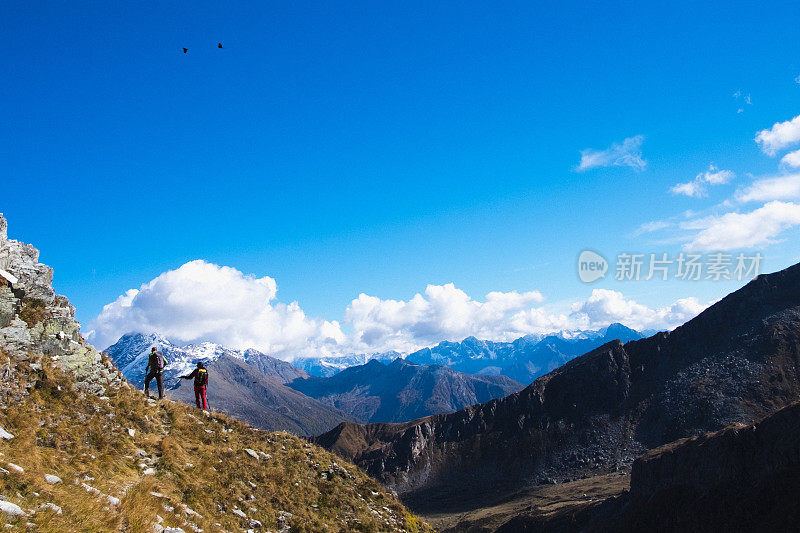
[
  {"x": 35, "y": 321},
  {"x": 736, "y": 362}
]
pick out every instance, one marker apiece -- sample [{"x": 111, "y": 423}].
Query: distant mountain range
[
  {"x": 524, "y": 359},
  {"x": 324, "y": 367},
  {"x": 400, "y": 391}
]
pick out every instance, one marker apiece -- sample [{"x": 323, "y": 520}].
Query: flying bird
[
  {"x": 185, "y": 50},
  {"x": 219, "y": 45}
]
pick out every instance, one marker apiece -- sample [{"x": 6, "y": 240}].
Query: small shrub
[{"x": 33, "y": 311}]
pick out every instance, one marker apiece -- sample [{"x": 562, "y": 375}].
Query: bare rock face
[{"x": 34, "y": 320}]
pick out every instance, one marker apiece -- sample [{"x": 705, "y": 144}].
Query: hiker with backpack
[
  {"x": 155, "y": 369},
  {"x": 200, "y": 375}
]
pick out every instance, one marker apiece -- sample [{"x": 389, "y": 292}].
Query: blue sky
[{"x": 378, "y": 148}]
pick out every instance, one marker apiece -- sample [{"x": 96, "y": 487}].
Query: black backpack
[{"x": 202, "y": 377}]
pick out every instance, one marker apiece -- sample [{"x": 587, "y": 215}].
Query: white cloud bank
[
  {"x": 447, "y": 313},
  {"x": 201, "y": 301},
  {"x": 606, "y": 306},
  {"x": 786, "y": 187},
  {"x": 733, "y": 231},
  {"x": 627, "y": 154},
  {"x": 779, "y": 136}
]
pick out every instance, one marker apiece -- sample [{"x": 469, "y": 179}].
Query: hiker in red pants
[{"x": 200, "y": 375}]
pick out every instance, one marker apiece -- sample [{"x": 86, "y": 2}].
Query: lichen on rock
[{"x": 34, "y": 320}]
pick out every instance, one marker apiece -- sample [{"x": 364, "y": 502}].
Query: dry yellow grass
[{"x": 202, "y": 471}]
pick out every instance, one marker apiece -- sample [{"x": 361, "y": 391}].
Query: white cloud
[
  {"x": 785, "y": 187},
  {"x": 779, "y": 136},
  {"x": 443, "y": 312},
  {"x": 650, "y": 227},
  {"x": 715, "y": 176},
  {"x": 201, "y": 301},
  {"x": 691, "y": 188},
  {"x": 792, "y": 159},
  {"x": 746, "y": 98},
  {"x": 797, "y": 80},
  {"x": 627, "y": 154},
  {"x": 698, "y": 186},
  {"x": 743, "y": 230},
  {"x": 606, "y": 306}
]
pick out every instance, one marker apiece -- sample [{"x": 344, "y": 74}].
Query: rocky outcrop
[
  {"x": 736, "y": 362},
  {"x": 35, "y": 321}
]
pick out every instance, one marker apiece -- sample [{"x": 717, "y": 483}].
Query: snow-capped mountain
[
  {"x": 524, "y": 359},
  {"x": 131, "y": 351},
  {"x": 324, "y": 367}
]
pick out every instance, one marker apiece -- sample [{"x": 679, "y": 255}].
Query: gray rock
[
  {"x": 12, "y": 509},
  {"x": 52, "y": 507},
  {"x": 252, "y": 453}
]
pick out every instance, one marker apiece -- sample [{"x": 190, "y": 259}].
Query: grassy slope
[{"x": 199, "y": 460}]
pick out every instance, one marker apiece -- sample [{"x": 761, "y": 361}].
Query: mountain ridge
[{"x": 399, "y": 391}]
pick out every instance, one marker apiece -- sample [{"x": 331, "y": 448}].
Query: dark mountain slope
[
  {"x": 244, "y": 392},
  {"x": 742, "y": 478},
  {"x": 736, "y": 362},
  {"x": 280, "y": 370},
  {"x": 402, "y": 391}
]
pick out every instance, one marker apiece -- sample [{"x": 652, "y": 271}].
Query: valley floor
[{"x": 543, "y": 500}]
